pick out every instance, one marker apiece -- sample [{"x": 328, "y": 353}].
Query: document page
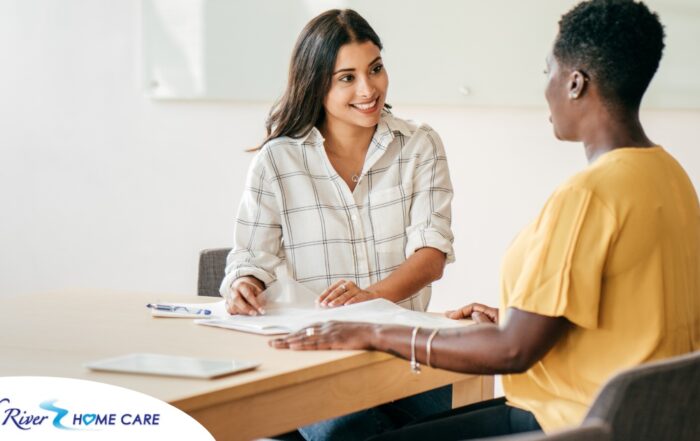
[{"x": 291, "y": 306}]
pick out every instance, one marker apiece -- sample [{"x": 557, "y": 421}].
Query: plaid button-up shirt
[{"x": 297, "y": 211}]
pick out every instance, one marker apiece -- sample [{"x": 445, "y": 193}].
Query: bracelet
[
  {"x": 415, "y": 366},
  {"x": 429, "y": 345}
]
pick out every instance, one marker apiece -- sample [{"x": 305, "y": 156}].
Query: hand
[
  {"x": 343, "y": 293},
  {"x": 329, "y": 335},
  {"x": 477, "y": 312},
  {"x": 244, "y": 296}
]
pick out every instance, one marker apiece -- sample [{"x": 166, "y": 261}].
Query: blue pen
[{"x": 176, "y": 308}]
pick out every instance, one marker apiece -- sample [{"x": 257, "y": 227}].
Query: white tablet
[{"x": 171, "y": 365}]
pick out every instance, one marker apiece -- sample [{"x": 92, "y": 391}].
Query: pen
[{"x": 176, "y": 308}]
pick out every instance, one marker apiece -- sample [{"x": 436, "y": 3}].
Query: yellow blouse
[{"x": 615, "y": 250}]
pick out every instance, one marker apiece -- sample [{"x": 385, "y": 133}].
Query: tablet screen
[{"x": 171, "y": 365}]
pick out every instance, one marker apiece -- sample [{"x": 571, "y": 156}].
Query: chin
[
  {"x": 557, "y": 131},
  {"x": 366, "y": 121},
  {"x": 564, "y": 137}
]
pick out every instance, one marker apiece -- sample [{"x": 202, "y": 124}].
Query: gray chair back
[
  {"x": 651, "y": 402},
  {"x": 654, "y": 401},
  {"x": 212, "y": 263}
]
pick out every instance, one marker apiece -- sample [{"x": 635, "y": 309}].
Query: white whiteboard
[{"x": 447, "y": 52}]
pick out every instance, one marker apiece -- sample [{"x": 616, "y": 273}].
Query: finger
[
  {"x": 359, "y": 297},
  {"x": 454, "y": 315},
  {"x": 477, "y": 317},
  {"x": 302, "y": 333},
  {"x": 261, "y": 297},
  {"x": 309, "y": 344},
  {"x": 347, "y": 291},
  {"x": 250, "y": 295},
  {"x": 461, "y": 313},
  {"x": 258, "y": 293},
  {"x": 343, "y": 298},
  {"x": 330, "y": 298},
  {"x": 241, "y": 306},
  {"x": 229, "y": 306},
  {"x": 278, "y": 343},
  {"x": 300, "y": 342},
  {"x": 492, "y": 313},
  {"x": 329, "y": 290},
  {"x": 480, "y": 317}
]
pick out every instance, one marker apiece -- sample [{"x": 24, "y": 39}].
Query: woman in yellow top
[{"x": 608, "y": 275}]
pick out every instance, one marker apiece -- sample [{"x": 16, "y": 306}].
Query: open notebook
[{"x": 291, "y": 306}]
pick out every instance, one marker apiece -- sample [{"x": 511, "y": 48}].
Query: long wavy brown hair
[{"x": 310, "y": 71}]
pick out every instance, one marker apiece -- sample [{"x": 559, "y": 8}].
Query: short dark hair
[
  {"x": 618, "y": 43},
  {"x": 311, "y": 70}
]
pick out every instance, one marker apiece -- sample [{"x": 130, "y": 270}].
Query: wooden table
[{"x": 55, "y": 334}]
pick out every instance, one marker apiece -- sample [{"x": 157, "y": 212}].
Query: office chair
[
  {"x": 590, "y": 430},
  {"x": 212, "y": 263},
  {"x": 655, "y": 401}
]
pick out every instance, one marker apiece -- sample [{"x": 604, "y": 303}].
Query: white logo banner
[{"x": 33, "y": 408}]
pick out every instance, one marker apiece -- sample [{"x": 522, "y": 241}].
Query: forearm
[
  {"x": 422, "y": 268},
  {"x": 479, "y": 349}
]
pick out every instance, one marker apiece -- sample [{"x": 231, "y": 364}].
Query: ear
[{"x": 578, "y": 84}]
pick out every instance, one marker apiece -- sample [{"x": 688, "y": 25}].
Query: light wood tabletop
[{"x": 55, "y": 334}]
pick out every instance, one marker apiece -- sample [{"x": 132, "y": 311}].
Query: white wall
[{"x": 101, "y": 187}]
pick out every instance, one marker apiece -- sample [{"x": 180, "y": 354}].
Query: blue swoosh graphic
[{"x": 60, "y": 413}]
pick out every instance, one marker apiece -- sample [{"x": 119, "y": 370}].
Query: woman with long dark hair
[
  {"x": 352, "y": 200},
  {"x": 608, "y": 275}
]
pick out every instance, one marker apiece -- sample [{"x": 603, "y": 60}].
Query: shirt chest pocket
[{"x": 389, "y": 212}]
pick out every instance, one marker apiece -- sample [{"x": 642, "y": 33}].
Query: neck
[
  {"x": 346, "y": 140},
  {"x": 609, "y": 130}
]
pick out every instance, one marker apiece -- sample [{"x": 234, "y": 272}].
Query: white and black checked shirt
[{"x": 298, "y": 211}]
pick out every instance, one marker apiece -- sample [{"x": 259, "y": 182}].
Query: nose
[{"x": 365, "y": 87}]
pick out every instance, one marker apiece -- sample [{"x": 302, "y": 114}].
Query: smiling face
[{"x": 358, "y": 87}]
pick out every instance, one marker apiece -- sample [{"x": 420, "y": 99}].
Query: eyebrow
[{"x": 351, "y": 69}]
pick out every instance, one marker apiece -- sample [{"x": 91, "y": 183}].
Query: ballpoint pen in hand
[{"x": 180, "y": 309}]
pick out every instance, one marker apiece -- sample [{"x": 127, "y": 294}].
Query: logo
[
  {"x": 64, "y": 419},
  {"x": 62, "y": 408}
]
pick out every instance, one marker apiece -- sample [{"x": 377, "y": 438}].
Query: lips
[{"x": 367, "y": 107}]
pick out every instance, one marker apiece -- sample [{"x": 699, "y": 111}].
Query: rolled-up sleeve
[
  {"x": 431, "y": 207},
  {"x": 258, "y": 231}
]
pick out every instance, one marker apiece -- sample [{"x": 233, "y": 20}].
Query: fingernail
[
  {"x": 262, "y": 311},
  {"x": 252, "y": 313}
]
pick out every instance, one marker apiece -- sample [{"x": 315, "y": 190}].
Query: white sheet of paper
[{"x": 291, "y": 306}]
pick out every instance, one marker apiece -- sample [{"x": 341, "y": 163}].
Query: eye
[
  {"x": 346, "y": 78},
  {"x": 378, "y": 68}
]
